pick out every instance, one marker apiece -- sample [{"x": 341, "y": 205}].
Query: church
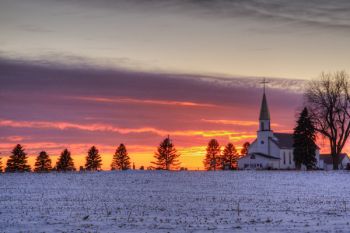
[{"x": 270, "y": 150}]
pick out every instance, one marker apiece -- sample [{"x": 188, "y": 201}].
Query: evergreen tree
[
  {"x": 244, "y": 150},
  {"x": 43, "y": 163},
  {"x": 304, "y": 141},
  {"x": 93, "y": 160},
  {"x": 0, "y": 164},
  {"x": 65, "y": 162},
  {"x": 18, "y": 160},
  {"x": 230, "y": 157},
  {"x": 121, "y": 159},
  {"x": 167, "y": 157},
  {"x": 212, "y": 158}
]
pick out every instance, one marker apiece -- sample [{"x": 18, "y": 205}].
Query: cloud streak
[
  {"x": 143, "y": 101},
  {"x": 114, "y": 129},
  {"x": 321, "y": 13}
]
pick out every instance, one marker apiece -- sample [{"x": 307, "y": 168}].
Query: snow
[{"x": 156, "y": 201}]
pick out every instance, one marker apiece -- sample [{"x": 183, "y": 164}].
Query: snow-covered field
[{"x": 155, "y": 201}]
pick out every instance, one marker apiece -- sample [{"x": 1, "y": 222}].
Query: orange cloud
[
  {"x": 14, "y": 138},
  {"x": 144, "y": 101},
  {"x": 111, "y": 128},
  {"x": 232, "y": 122},
  {"x": 235, "y": 122}
]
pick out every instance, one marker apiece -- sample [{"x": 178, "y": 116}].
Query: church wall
[
  {"x": 263, "y": 142},
  {"x": 287, "y": 159},
  {"x": 253, "y": 147},
  {"x": 258, "y": 162},
  {"x": 274, "y": 150}
]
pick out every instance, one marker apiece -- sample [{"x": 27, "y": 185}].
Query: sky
[{"x": 81, "y": 73}]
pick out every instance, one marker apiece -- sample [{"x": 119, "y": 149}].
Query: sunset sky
[{"x": 81, "y": 73}]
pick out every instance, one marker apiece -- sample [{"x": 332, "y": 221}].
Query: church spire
[
  {"x": 264, "y": 110},
  {"x": 264, "y": 117}
]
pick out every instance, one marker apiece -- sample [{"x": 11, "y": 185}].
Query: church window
[
  {"x": 262, "y": 125},
  {"x": 290, "y": 157},
  {"x": 262, "y": 142},
  {"x": 284, "y": 157}
]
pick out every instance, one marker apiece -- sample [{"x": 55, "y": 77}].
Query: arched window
[
  {"x": 284, "y": 157},
  {"x": 290, "y": 157},
  {"x": 262, "y": 126}
]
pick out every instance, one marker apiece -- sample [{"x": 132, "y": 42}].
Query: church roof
[
  {"x": 264, "y": 155},
  {"x": 283, "y": 140},
  {"x": 264, "y": 110}
]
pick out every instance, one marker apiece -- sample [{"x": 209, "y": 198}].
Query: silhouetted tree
[
  {"x": 229, "y": 157},
  {"x": 167, "y": 157},
  {"x": 65, "y": 162},
  {"x": 1, "y": 164},
  {"x": 93, "y": 160},
  {"x": 43, "y": 163},
  {"x": 121, "y": 159},
  {"x": 18, "y": 160},
  {"x": 304, "y": 141},
  {"x": 212, "y": 158},
  {"x": 142, "y": 168},
  {"x": 133, "y": 166},
  {"x": 244, "y": 150},
  {"x": 328, "y": 103}
]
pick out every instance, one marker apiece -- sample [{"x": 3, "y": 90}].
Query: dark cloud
[
  {"x": 64, "y": 80},
  {"x": 322, "y": 13}
]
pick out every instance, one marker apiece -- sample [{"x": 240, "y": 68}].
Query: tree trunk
[
  {"x": 334, "y": 153},
  {"x": 335, "y": 158}
]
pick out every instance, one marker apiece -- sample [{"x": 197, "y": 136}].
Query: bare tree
[{"x": 328, "y": 102}]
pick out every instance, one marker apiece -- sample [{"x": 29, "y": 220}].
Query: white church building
[{"x": 270, "y": 150}]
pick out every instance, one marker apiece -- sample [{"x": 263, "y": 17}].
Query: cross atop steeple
[{"x": 264, "y": 81}]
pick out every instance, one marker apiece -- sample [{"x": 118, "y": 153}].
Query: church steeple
[
  {"x": 264, "y": 118},
  {"x": 264, "y": 110}
]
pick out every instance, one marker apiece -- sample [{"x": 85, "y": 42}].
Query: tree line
[
  {"x": 166, "y": 157},
  {"x": 18, "y": 161},
  {"x": 215, "y": 159}
]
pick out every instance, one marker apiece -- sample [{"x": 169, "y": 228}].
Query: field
[{"x": 154, "y": 201}]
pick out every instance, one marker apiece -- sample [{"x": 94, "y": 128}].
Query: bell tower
[{"x": 264, "y": 132}]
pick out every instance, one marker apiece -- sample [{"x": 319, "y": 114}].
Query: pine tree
[
  {"x": 93, "y": 160},
  {"x": 230, "y": 157},
  {"x": 18, "y": 160},
  {"x": 65, "y": 162},
  {"x": 212, "y": 158},
  {"x": 121, "y": 159},
  {"x": 304, "y": 141},
  {"x": 244, "y": 150},
  {"x": 167, "y": 157},
  {"x": 43, "y": 163}
]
